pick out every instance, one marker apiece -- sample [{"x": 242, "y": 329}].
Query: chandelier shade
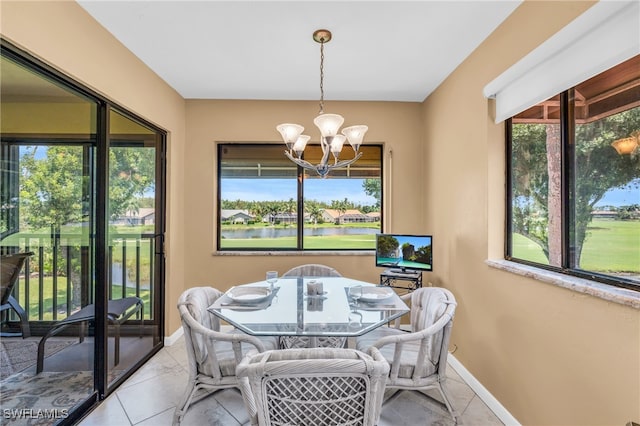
[
  {"x": 627, "y": 145},
  {"x": 328, "y": 124}
]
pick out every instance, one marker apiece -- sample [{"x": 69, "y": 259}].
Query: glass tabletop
[{"x": 290, "y": 311}]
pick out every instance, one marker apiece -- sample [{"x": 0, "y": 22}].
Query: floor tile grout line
[{"x": 123, "y": 409}]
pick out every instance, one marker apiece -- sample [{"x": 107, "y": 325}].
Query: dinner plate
[
  {"x": 376, "y": 294},
  {"x": 248, "y": 294}
]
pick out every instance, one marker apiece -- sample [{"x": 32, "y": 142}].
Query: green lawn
[
  {"x": 610, "y": 246},
  {"x": 47, "y": 299}
]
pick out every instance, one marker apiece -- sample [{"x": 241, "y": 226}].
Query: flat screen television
[{"x": 403, "y": 252}]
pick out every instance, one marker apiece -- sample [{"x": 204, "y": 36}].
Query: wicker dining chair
[
  {"x": 10, "y": 267},
  {"x": 321, "y": 386},
  {"x": 291, "y": 342},
  {"x": 213, "y": 355},
  {"x": 312, "y": 270},
  {"x": 418, "y": 358}
]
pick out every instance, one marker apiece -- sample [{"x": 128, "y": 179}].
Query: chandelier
[{"x": 329, "y": 125}]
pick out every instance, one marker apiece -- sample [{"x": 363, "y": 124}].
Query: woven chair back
[{"x": 317, "y": 387}]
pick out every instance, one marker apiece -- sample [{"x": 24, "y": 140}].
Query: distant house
[
  {"x": 604, "y": 214},
  {"x": 282, "y": 218},
  {"x": 236, "y": 216},
  {"x": 349, "y": 216},
  {"x": 143, "y": 216},
  {"x": 374, "y": 216}
]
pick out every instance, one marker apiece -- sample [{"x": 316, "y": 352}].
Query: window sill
[
  {"x": 296, "y": 253},
  {"x": 622, "y": 296}
]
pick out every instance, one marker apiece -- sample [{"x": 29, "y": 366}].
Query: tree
[
  {"x": 373, "y": 188},
  {"x": 535, "y": 165},
  {"x": 341, "y": 206},
  {"x": 315, "y": 211},
  {"x": 131, "y": 174},
  {"x": 55, "y": 192},
  {"x": 387, "y": 246},
  {"x": 51, "y": 188}
]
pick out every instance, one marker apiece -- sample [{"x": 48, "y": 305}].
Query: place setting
[
  {"x": 249, "y": 298},
  {"x": 372, "y": 298}
]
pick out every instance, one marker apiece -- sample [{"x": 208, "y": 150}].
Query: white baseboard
[
  {"x": 482, "y": 392},
  {"x": 170, "y": 340}
]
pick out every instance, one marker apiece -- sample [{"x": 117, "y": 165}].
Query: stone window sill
[
  {"x": 619, "y": 295},
  {"x": 297, "y": 253}
]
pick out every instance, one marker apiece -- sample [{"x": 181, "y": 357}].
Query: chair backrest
[
  {"x": 312, "y": 270},
  {"x": 10, "y": 267},
  {"x": 321, "y": 386},
  {"x": 432, "y": 312},
  {"x": 199, "y": 327}
]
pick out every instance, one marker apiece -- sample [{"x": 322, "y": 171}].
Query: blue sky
[
  {"x": 627, "y": 195},
  {"x": 338, "y": 189},
  {"x": 282, "y": 189}
]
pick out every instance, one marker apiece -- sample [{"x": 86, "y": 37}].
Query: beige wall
[
  {"x": 549, "y": 355},
  {"x": 395, "y": 124}
]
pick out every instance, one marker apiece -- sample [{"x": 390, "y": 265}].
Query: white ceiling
[{"x": 381, "y": 50}]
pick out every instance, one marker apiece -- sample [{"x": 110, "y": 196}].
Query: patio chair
[
  {"x": 118, "y": 311},
  {"x": 290, "y": 342},
  {"x": 10, "y": 267},
  {"x": 418, "y": 358},
  {"x": 321, "y": 386},
  {"x": 213, "y": 355}
]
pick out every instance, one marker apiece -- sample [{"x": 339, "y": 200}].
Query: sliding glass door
[{"x": 82, "y": 189}]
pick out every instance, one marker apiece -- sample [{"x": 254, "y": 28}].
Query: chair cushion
[
  {"x": 409, "y": 355},
  {"x": 226, "y": 358}
]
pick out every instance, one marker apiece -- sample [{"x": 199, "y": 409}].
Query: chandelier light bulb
[
  {"x": 336, "y": 145},
  {"x": 354, "y": 135},
  {"x": 290, "y": 133},
  {"x": 300, "y": 144},
  {"x": 329, "y": 124}
]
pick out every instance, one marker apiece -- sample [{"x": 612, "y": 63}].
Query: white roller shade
[{"x": 605, "y": 35}]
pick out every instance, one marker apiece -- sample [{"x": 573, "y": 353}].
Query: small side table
[{"x": 391, "y": 278}]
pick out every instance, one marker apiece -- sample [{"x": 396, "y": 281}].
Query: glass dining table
[{"x": 288, "y": 310}]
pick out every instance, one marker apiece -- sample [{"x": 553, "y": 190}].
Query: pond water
[
  {"x": 116, "y": 277},
  {"x": 269, "y": 232}
]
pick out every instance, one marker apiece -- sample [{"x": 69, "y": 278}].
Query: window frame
[
  {"x": 567, "y": 141},
  {"x": 299, "y": 205}
]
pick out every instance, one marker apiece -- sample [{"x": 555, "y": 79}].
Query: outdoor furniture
[
  {"x": 289, "y": 342},
  {"x": 118, "y": 311},
  {"x": 418, "y": 358},
  {"x": 289, "y": 311},
  {"x": 212, "y": 354},
  {"x": 10, "y": 267},
  {"x": 323, "y": 386}
]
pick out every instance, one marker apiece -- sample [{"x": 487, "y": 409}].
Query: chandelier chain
[{"x": 321, "y": 77}]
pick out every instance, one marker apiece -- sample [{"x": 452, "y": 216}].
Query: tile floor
[{"x": 149, "y": 398}]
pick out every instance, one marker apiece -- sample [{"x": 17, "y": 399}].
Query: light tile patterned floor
[{"x": 149, "y": 398}]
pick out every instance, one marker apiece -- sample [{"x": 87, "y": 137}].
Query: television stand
[{"x": 391, "y": 278}]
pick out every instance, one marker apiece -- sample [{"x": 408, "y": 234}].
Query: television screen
[{"x": 404, "y": 252}]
